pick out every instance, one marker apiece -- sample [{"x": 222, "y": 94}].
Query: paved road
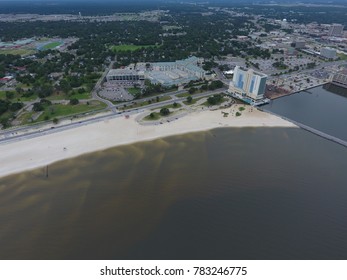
[
  {"x": 97, "y": 88},
  {"x": 23, "y": 133}
]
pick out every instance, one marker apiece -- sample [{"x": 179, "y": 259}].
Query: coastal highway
[
  {"x": 111, "y": 106},
  {"x": 42, "y": 129}
]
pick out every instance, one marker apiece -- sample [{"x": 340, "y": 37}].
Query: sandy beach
[{"x": 40, "y": 151}]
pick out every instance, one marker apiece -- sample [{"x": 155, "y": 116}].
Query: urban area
[{"x": 65, "y": 69}]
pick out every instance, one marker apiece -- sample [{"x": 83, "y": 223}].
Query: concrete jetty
[{"x": 310, "y": 129}]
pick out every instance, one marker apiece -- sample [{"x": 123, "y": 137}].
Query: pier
[{"x": 310, "y": 129}]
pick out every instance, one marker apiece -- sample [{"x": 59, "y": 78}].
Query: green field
[
  {"x": 51, "y": 45},
  {"x": 22, "y": 52},
  {"x": 25, "y": 118},
  {"x": 3, "y": 94},
  {"x": 134, "y": 91},
  {"x": 62, "y": 96},
  {"x": 342, "y": 56},
  {"x": 184, "y": 94},
  {"x": 124, "y": 48},
  {"x": 60, "y": 110},
  {"x": 144, "y": 103},
  {"x": 156, "y": 116}
]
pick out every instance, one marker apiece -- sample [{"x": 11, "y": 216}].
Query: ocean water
[
  {"x": 323, "y": 108},
  {"x": 250, "y": 193}
]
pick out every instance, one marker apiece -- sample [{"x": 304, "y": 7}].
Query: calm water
[
  {"x": 324, "y": 109},
  {"x": 261, "y": 193}
]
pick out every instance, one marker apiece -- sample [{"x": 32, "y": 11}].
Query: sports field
[{"x": 51, "y": 45}]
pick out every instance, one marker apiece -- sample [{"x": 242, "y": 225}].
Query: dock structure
[
  {"x": 340, "y": 79},
  {"x": 310, "y": 129}
]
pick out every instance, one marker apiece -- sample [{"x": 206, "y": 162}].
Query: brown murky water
[{"x": 255, "y": 193}]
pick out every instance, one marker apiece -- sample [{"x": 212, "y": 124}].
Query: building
[
  {"x": 328, "y": 53},
  {"x": 164, "y": 73},
  {"x": 248, "y": 83},
  {"x": 176, "y": 73},
  {"x": 336, "y": 30},
  {"x": 124, "y": 75},
  {"x": 299, "y": 44},
  {"x": 340, "y": 78},
  {"x": 189, "y": 66}
]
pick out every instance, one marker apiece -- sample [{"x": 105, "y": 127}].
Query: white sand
[{"x": 40, "y": 151}]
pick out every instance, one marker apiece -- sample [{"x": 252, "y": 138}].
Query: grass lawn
[
  {"x": 171, "y": 106},
  {"x": 57, "y": 96},
  {"x": 22, "y": 52},
  {"x": 184, "y": 94},
  {"x": 156, "y": 116},
  {"x": 3, "y": 94},
  {"x": 124, "y": 48},
  {"x": 63, "y": 96},
  {"x": 144, "y": 103},
  {"x": 59, "y": 110},
  {"x": 342, "y": 56},
  {"x": 51, "y": 45},
  {"x": 85, "y": 95},
  {"x": 193, "y": 101},
  {"x": 134, "y": 91},
  {"x": 29, "y": 98},
  {"x": 25, "y": 118}
]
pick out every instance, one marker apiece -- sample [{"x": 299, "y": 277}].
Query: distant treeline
[{"x": 102, "y": 7}]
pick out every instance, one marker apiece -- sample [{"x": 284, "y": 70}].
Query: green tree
[
  {"x": 16, "y": 106},
  {"x": 192, "y": 90},
  {"x": 5, "y": 122},
  {"x": 81, "y": 90},
  {"x": 164, "y": 111},
  {"x": 37, "y": 107},
  {"x": 74, "y": 101},
  {"x": 9, "y": 94},
  {"x": 189, "y": 99},
  {"x": 215, "y": 99}
]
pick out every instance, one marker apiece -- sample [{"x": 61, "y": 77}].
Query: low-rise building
[
  {"x": 124, "y": 75},
  {"x": 165, "y": 73},
  {"x": 299, "y": 44},
  {"x": 328, "y": 53}
]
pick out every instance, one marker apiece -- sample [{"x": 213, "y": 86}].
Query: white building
[
  {"x": 328, "y": 53},
  {"x": 189, "y": 65},
  {"x": 124, "y": 75},
  {"x": 165, "y": 73},
  {"x": 336, "y": 30},
  {"x": 248, "y": 83}
]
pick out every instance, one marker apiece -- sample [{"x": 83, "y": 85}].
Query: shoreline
[{"x": 29, "y": 154}]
